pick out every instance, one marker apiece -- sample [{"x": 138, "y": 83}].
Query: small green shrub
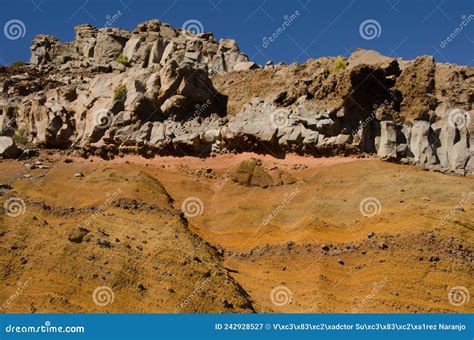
[
  {"x": 18, "y": 63},
  {"x": 21, "y": 136},
  {"x": 120, "y": 93},
  {"x": 339, "y": 65},
  {"x": 122, "y": 59}
]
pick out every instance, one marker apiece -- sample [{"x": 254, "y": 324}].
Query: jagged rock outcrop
[
  {"x": 120, "y": 108},
  {"x": 172, "y": 92},
  {"x": 151, "y": 45},
  {"x": 415, "y": 112}
]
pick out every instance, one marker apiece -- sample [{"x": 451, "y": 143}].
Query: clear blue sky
[{"x": 408, "y": 28}]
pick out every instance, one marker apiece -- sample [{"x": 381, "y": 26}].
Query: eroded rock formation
[{"x": 159, "y": 90}]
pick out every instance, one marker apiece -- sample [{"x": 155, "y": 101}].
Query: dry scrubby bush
[
  {"x": 339, "y": 65},
  {"x": 21, "y": 136},
  {"x": 122, "y": 59},
  {"x": 120, "y": 93},
  {"x": 18, "y": 64}
]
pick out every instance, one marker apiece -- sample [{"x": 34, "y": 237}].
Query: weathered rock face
[
  {"x": 8, "y": 148},
  {"x": 152, "y": 45},
  {"x": 158, "y": 98},
  {"x": 416, "y": 111},
  {"x": 126, "y": 108},
  {"x": 251, "y": 173}
]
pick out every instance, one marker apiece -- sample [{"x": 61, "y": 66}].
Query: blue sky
[{"x": 400, "y": 28}]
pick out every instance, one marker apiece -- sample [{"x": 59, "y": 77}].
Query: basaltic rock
[
  {"x": 158, "y": 90},
  {"x": 8, "y": 148}
]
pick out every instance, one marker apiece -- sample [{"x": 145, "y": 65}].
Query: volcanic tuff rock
[
  {"x": 152, "y": 44},
  {"x": 159, "y": 90},
  {"x": 8, "y": 148},
  {"x": 251, "y": 173}
]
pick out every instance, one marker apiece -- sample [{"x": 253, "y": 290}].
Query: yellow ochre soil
[{"x": 178, "y": 235}]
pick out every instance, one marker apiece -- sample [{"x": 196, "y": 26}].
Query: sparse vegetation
[
  {"x": 122, "y": 59},
  {"x": 120, "y": 93},
  {"x": 18, "y": 64},
  {"x": 21, "y": 136},
  {"x": 339, "y": 65}
]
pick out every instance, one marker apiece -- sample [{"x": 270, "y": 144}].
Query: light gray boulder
[
  {"x": 210, "y": 136},
  {"x": 388, "y": 140},
  {"x": 157, "y": 134},
  {"x": 245, "y": 66},
  {"x": 423, "y": 152},
  {"x": 8, "y": 148}
]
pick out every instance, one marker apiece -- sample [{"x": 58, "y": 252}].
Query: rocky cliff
[{"x": 159, "y": 90}]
